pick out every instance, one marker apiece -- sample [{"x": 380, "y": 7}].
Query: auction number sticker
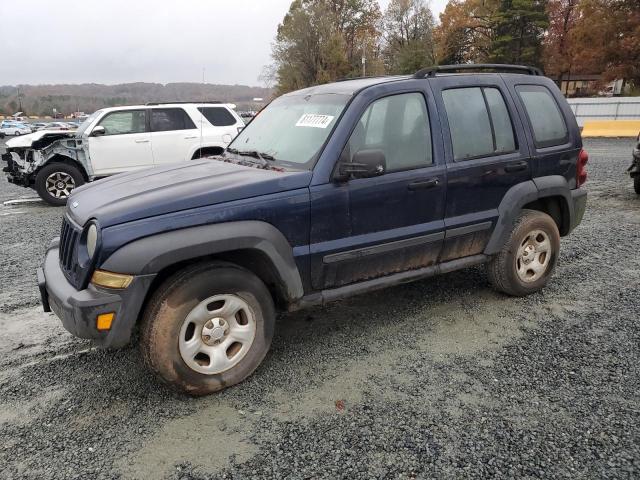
[{"x": 314, "y": 120}]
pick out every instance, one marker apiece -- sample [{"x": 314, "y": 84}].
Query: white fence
[{"x": 609, "y": 108}]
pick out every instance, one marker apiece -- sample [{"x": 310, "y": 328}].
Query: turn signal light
[
  {"x": 111, "y": 280},
  {"x": 104, "y": 321}
]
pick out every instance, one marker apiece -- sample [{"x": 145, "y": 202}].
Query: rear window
[
  {"x": 547, "y": 122},
  {"x": 168, "y": 119},
  {"x": 479, "y": 122},
  {"x": 218, "y": 116}
]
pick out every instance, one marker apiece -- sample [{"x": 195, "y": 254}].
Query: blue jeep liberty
[{"x": 330, "y": 191}]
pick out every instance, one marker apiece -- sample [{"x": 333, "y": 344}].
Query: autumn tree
[
  {"x": 320, "y": 41},
  {"x": 408, "y": 27},
  {"x": 518, "y": 28},
  {"x": 607, "y": 39},
  {"x": 465, "y": 32},
  {"x": 559, "y": 44}
]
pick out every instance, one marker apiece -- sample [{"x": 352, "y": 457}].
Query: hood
[
  {"x": 172, "y": 188},
  {"x": 26, "y": 141}
]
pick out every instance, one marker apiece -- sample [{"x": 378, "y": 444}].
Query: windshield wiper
[{"x": 252, "y": 153}]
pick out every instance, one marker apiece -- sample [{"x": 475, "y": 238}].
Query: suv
[
  {"x": 115, "y": 140},
  {"x": 330, "y": 191},
  {"x": 634, "y": 169}
]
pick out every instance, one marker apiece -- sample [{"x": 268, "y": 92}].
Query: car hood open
[{"x": 176, "y": 187}]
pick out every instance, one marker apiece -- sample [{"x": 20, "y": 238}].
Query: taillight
[{"x": 581, "y": 175}]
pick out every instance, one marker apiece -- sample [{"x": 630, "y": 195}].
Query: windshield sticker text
[{"x": 314, "y": 120}]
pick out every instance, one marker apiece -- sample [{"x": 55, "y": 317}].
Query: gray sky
[{"x": 118, "y": 41}]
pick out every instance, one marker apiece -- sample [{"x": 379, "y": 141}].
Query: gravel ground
[{"x": 439, "y": 378}]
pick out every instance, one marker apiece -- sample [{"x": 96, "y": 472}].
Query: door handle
[
  {"x": 190, "y": 138},
  {"x": 142, "y": 141},
  {"x": 515, "y": 167},
  {"x": 424, "y": 184}
]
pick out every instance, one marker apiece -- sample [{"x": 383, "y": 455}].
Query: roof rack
[
  {"x": 498, "y": 67},
  {"x": 183, "y": 102}
]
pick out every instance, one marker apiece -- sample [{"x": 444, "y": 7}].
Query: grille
[{"x": 69, "y": 236}]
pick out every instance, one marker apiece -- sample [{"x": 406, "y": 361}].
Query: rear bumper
[
  {"x": 78, "y": 309},
  {"x": 579, "y": 203}
]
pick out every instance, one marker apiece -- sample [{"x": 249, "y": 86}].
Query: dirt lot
[{"x": 440, "y": 378}]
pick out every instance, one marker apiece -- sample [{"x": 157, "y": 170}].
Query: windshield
[
  {"x": 89, "y": 120},
  {"x": 292, "y": 129}
]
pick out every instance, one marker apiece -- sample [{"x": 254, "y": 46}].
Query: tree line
[
  {"x": 325, "y": 40},
  {"x": 89, "y": 97}
]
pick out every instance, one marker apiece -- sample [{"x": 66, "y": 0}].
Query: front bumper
[
  {"x": 79, "y": 309},
  {"x": 14, "y": 174}
]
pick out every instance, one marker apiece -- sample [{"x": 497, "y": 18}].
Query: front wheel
[
  {"x": 207, "y": 327},
  {"x": 527, "y": 260},
  {"x": 55, "y": 181},
  {"x": 636, "y": 184},
  {"x": 17, "y": 133}
]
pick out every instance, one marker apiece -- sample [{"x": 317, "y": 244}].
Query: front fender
[{"x": 152, "y": 254}]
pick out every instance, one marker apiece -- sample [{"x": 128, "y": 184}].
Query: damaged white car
[{"x": 115, "y": 140}]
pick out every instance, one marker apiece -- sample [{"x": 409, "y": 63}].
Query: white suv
[{"x": 115, "y": 140}]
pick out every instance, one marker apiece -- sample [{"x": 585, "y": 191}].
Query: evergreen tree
[{"x": 519, "y": 27}]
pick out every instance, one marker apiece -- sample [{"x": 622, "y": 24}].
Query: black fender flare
[
  {"x": 521, "y": 194},
  {"x": 150, "y": 255}
]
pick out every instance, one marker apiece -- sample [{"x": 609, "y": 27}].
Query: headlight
[{"x": 92, "y": 240}]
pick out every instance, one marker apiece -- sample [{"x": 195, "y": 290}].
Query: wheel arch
[
  {"x": 212, "y": 148},
  {"x": 550, "y": 194},
  {"x": 59, "y": 158},
  {"x": 256, "y": 246}
]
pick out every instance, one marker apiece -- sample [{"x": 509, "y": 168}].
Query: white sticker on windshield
[{"x": 314, "y": 120}]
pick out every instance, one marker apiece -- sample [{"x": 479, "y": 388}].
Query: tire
[
  {"x": 173, "y": 349},
  {"x": 17, "y": 133},
  {"x": 636, "y": 184},
  {"x": 527, "y": 260},
  {"x": 48, "y": 187}
]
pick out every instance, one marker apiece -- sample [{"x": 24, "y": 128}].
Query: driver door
[
  {"x": 125, "y": 144},
  {"x": 395, "y": 221}
]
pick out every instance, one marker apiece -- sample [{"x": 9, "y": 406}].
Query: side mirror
[
  {"x": 98, "y": 131},
  {"x": 365, "y": 164}
]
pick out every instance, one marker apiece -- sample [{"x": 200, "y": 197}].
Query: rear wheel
[
  {"x": 17, "y": 133},
  {"x": 636, "y": 184},
  {"x": 207, "y": 327},
  {"x": 54, "y": 182},
  {"x": 527, "y": 260}
]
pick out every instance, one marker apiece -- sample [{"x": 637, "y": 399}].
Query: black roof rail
[
  {"x": 183, "y": 102},
  {"x": 498, "y": 67}
]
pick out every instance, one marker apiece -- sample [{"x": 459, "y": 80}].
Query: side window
[
  {"x": 500, "y": 120},
  {"x": 547, "y": 122},
  {"x": 218, "y": 116},
  {"x": 479, "y": 122},
  {"x": 168, "y": 119},
  {"x": 397, "y": 125},
  {"x": 126, "y": 121}
]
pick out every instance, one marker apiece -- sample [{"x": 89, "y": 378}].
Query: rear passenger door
[
  {"x": 487, "y": 154},
  {"x": 173, "y": 134}
]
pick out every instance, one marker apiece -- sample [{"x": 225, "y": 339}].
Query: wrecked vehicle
[
  {"x": 330, "y": 191},
  {"x": 116, "y": 140},
  {"x": 634, "y": 169}
]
